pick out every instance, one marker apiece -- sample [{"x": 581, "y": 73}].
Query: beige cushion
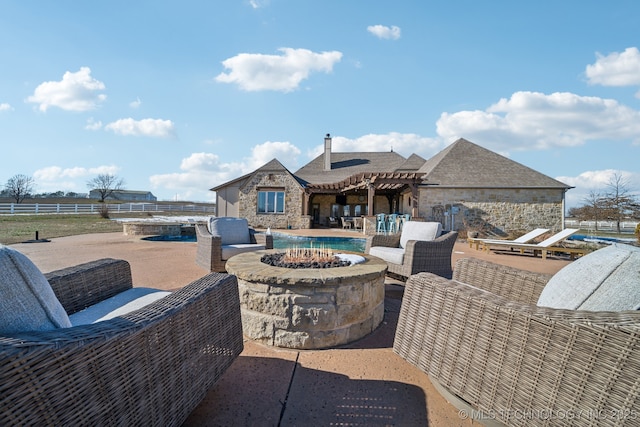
[
  {"x": 392, "y": 255},
  {"x": 605, "y": 280},
  {"x": 27, "y": 302},
  {"x": 417, "y": 230},
  {"x": 118, "y": 305},
  {"x": 230, "y": 250},
  {"x": 231, "y": 230}
]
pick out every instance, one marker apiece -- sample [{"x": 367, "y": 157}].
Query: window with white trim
[{"x": 270, "y": 202}]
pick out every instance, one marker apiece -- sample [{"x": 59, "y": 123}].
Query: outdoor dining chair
[{"x": 381, "y": 220}]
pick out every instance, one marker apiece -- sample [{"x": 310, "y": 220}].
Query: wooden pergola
[{"x": 388, "y": 183}]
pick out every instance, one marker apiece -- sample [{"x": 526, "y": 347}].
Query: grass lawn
[{"x": 19, "y": 228}]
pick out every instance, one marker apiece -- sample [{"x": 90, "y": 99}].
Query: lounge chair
[
  {"x": 526, "y": 238},
  {"x": 420, "y": 247},
  {"x": 346, "y": 222},
  {"x": 151, "y": 366},
  {"x": 545, "y": 247},
  {"x": 357, "y": 223},
  {"x": 529, "y": 349},
  {"x": 223, "y": 237}
]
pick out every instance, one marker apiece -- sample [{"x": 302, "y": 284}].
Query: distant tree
[
  {"x": 594, "y": 208},
  {"x": 105, "y": 184},
  {"x": 18, "y": 187},
  {"x": 619, "y": 202}
]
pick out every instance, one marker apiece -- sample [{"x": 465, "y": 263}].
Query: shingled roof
[
  {"x": 344, "y": 165},
  {"x": 273, "y": 165},
  {"x": 465, "y": 164},
  {"x": 412, "y": 164}
]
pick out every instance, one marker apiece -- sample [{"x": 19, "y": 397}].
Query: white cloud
[
  {"x": 93, "y": 124},
  {"x": 285, "y": 152},
  {"x": 199, "y": 172},
  {"x": 135, "y": 104},
  {"x": 404, "y": 144},
  {"x": 256, "y": 72},
  {"x": 55, "y": 178},
  {"x": 616, "y": 69},
  {"x": 75, "y": 92},
  {"x": 145, "y": 127},
  {"x": 596, "y": 181},
  {"x": 535, "y": 120},
  {"x": 257, "y": 4},
  {"x": 202, "y": 171},
  {"x": 384, "y": 32},
  {"x": 5, "y": 107}
]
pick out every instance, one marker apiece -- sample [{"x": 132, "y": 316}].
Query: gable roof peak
[
  {"x": 466, "y": 164},
  {"x": 272, "y": 165}
]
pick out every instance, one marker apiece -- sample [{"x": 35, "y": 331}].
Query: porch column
[
  {"x": 414, "y": 200},
  {"x": 305, "y": 203},
  {"x": 370, "y": 193}
]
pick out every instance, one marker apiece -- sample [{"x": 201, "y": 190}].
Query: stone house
[{"x": 461, "y": 185}]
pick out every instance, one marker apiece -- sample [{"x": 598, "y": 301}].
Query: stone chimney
[{"x": 327, "y": 152}]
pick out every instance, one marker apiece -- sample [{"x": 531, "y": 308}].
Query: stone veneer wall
[
  {"x": 292, "y": 218},
  {"x": 308, "y": 308},
  {"x": 503, "y": 210},
  {"x": 151, "y": 229}
]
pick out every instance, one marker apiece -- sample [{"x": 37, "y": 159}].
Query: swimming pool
[
  {"x": 283, "y": 241},
  {"x": 600, "y": 239}
]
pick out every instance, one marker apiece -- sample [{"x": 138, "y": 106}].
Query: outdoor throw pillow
[
  {"x": 231, "y": 230},
  {"x": 417, "y": 230},
  {"x": 605, "y": 280},
  {"x": 209, "y": 221},
  {"x": 27, "y": 302}
]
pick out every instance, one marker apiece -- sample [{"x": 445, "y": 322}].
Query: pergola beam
[{"x": 389, "y": 181}]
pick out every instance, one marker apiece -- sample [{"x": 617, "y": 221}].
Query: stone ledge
[
  {"x": 249, "y": 267},
  {"x": 308, "y": 308},
  {"x": 151, "y": 229}
]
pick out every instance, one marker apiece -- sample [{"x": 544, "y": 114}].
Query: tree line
[
  {"x": 20, "y": 187},
  {"x": 616, "y": 202}
]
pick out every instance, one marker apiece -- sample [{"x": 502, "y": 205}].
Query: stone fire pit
[{"x": 307, "y": 308}]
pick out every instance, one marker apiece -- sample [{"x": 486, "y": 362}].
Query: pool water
[{"x": 283, "y": 241}]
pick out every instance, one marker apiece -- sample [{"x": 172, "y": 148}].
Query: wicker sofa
[
  {"x": 230, "y": 236},
  {"x": 409, "y": 253},
  {"x": 149, "y": 367},
  {"x": 484, "y": 340}
]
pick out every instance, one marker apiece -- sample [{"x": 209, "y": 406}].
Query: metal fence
[
  {"x": 625, "y": 226},
  {"x": 94, "y": 208}
]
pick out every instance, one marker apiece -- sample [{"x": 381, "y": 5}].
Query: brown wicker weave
[
  {"x": 432, "y": 256},
  {"x": 521, "y": 364},
  {"x": 209, "y": 250},
  {"x": 150, "y": 367}
]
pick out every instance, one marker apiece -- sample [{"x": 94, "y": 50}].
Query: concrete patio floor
[{"x": 363, "y": 383}]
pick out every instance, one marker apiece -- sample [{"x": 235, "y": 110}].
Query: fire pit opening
[{"x": 298, "y": 257}]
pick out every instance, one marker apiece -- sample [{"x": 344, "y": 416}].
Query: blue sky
[{"x": 178, "y": 97}]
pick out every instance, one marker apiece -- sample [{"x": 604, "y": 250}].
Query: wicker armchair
[
  {"x": 149, "y": 367},
  {"x": 433, "y": 256},
  {"x": 211, "y": 250},
  {"x": 519, "y": 363}
]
